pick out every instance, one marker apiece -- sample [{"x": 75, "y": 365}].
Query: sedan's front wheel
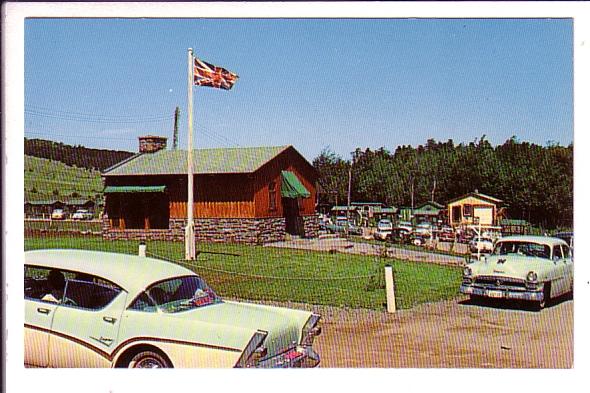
[
  {"x": 149, "y": 359},
  {"x": 546, "y": 295}
]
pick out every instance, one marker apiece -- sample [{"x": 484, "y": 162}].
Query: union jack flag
[{"x": 206, "y": 74}]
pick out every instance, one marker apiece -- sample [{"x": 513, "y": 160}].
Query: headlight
[
  {"x": 254, "y": 350},
  {"x": 467, "y": 271},
  {"x": 310, "y": 330},
  {"x": 531, "y": 276}
]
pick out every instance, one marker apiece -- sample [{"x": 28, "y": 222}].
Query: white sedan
[{"x": 97, "y": 309}]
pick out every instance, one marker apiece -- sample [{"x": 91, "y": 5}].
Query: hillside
[
  {"x": 78, "y": 156},
  {"x": 47, "y": 180}
]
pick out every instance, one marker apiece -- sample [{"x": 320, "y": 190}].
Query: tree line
[
  {"x": 79, "y": 156},
  {"x": 535, "y": 182}
]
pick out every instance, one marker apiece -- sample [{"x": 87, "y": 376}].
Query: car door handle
[
  {"x": 43, "y": 310},
  {"x": 109, "y": 319}
]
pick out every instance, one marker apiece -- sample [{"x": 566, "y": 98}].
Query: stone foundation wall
[
  {"x": 218, "y": 230},
  {"x": 311, "y": 225}
]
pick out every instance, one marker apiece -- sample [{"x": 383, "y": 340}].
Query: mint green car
[
  {"x": 97, "y": 309},
  {"x": 531, "y": 268}
]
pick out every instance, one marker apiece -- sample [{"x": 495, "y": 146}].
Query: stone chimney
[{"x": 151, "y": 143}]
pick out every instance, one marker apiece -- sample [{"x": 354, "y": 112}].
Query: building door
[
  {"x": 456, "y": 214},
  {"x": 293, "y": 221}
]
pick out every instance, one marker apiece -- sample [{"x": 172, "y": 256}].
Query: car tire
[
  {"x": 546, "y": 296},
  {"x": 149, "y": 359}
]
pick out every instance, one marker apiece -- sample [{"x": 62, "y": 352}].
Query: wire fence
[
  {"x": 355, "y": 290},
  {"x": 270, "y": 274}
]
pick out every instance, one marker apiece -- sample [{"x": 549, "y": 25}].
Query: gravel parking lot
[
  {"x": 336, "y": 244},
  {"x": 451, "y": 334}
]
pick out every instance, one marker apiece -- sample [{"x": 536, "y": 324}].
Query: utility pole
[
  {"x": 175, "y": 139},
  {"x": 348, "y": 204},
  {"x": 433, "y": 189}
]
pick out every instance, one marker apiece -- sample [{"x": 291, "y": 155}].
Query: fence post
[
  {"x": 141, "y": 251},
  {"x": 389, "y": 289}
]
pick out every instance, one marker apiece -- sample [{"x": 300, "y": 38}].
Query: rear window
[{"x": 68, "y": 288}]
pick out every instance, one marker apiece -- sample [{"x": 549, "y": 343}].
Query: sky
[{"x": 311, "y": 83}]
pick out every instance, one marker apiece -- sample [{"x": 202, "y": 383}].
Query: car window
[
  {"x": 523, "y": 248},
  {"x": 44, "y": 284},
  {"x": 143, "y": 303},
  {"x": 180, "y": 294},
  {"x": 557, "y": 253},
  {"x": 566, "y": 252},
  {"x": 91, "y": 294}
]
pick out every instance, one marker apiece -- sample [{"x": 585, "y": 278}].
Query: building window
[
  {"x": 467, "y": 210},
  {"x": 272, "y": 196}
]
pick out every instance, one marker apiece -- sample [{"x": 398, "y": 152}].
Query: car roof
[
  {"x": 546, "y": 240},
  {"x": 133, "y": 273}
]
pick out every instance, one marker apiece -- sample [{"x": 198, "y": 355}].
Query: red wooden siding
[{"x": 230, "y": 195}]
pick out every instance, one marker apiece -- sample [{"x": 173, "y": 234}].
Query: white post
[
  {"x": 189, "y": 233},
  {"x": 142, "y": 249},
  {"x": 477, "y": 243},
  {"x": 389, "y": 289}
]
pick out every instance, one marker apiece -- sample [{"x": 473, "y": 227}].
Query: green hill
[
  {"x": 79, "y": 156},
  {"x": 47, "y": 180}
]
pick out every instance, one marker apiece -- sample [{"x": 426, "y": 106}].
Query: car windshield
[
  {"x": 523, "y": 248},
  {"x": 181, "y": 294},
  {"x": 384, "y": 225}
]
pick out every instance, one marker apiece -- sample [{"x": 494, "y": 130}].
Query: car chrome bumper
[
  {"x": 300, "y": 357},
  {"x": 502, "y": 293}
]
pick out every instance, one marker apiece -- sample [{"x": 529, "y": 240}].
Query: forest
[
  {"x": 535, "y": 182},
  {"x": 78, "y": 156}
]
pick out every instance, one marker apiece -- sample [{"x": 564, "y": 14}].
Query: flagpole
[{"x": 189, "y": 233}]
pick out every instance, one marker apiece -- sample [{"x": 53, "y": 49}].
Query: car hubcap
[{"x": 149, "y": 363}]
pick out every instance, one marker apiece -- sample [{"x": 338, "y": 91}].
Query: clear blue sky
[{"x": 311, "y": 83}]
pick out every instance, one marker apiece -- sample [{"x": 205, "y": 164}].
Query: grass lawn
[{"x": 263, "y": 273}]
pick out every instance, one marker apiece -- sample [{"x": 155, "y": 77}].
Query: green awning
[
  {"x": 132, "y": 189},
  {"x": 291, "y": 187}
]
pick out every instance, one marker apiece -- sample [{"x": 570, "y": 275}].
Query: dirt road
[
  {"x": 344, "y": 246},
  {"x": 451, "y": 334}
]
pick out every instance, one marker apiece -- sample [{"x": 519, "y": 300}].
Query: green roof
[
  {"x": 291, "y": 187},
  {"x": 334, "y": 208},
  {"x": 205, "y": 161},
  {"x": 510, "y": 221},
  {"x": 427, "y": 209},
  {"x": 130, "y": 189}
]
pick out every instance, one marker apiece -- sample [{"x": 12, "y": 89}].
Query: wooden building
[
  {"x": 430, "y": 212},
  {"x": 473, "y": 209},
  {"x": 251, "y": 195}
]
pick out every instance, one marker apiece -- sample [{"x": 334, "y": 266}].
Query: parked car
[
  {"x": 481, "y": 244},
  {"x": 446, "y": 234},
  {"x": 418, "y": 240},
  {"x": 97, "y": 309},
  {"x": 384, "y": 229},
  {"x": 464, "y": 236},
  {"x": 82, "y": 214},
  {"x": 532, "y": 268},
  {"x": 341, "y": 227},
  {"x": 405, "y": 226},
  {"x": 400, "y": 235},
  {"x": 58, "y": 214},
  {"x": 568, "y": 237},
  {"x": 423, "y": 229}
]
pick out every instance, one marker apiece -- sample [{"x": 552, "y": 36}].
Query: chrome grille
[{"x": 495, "y": 281}]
